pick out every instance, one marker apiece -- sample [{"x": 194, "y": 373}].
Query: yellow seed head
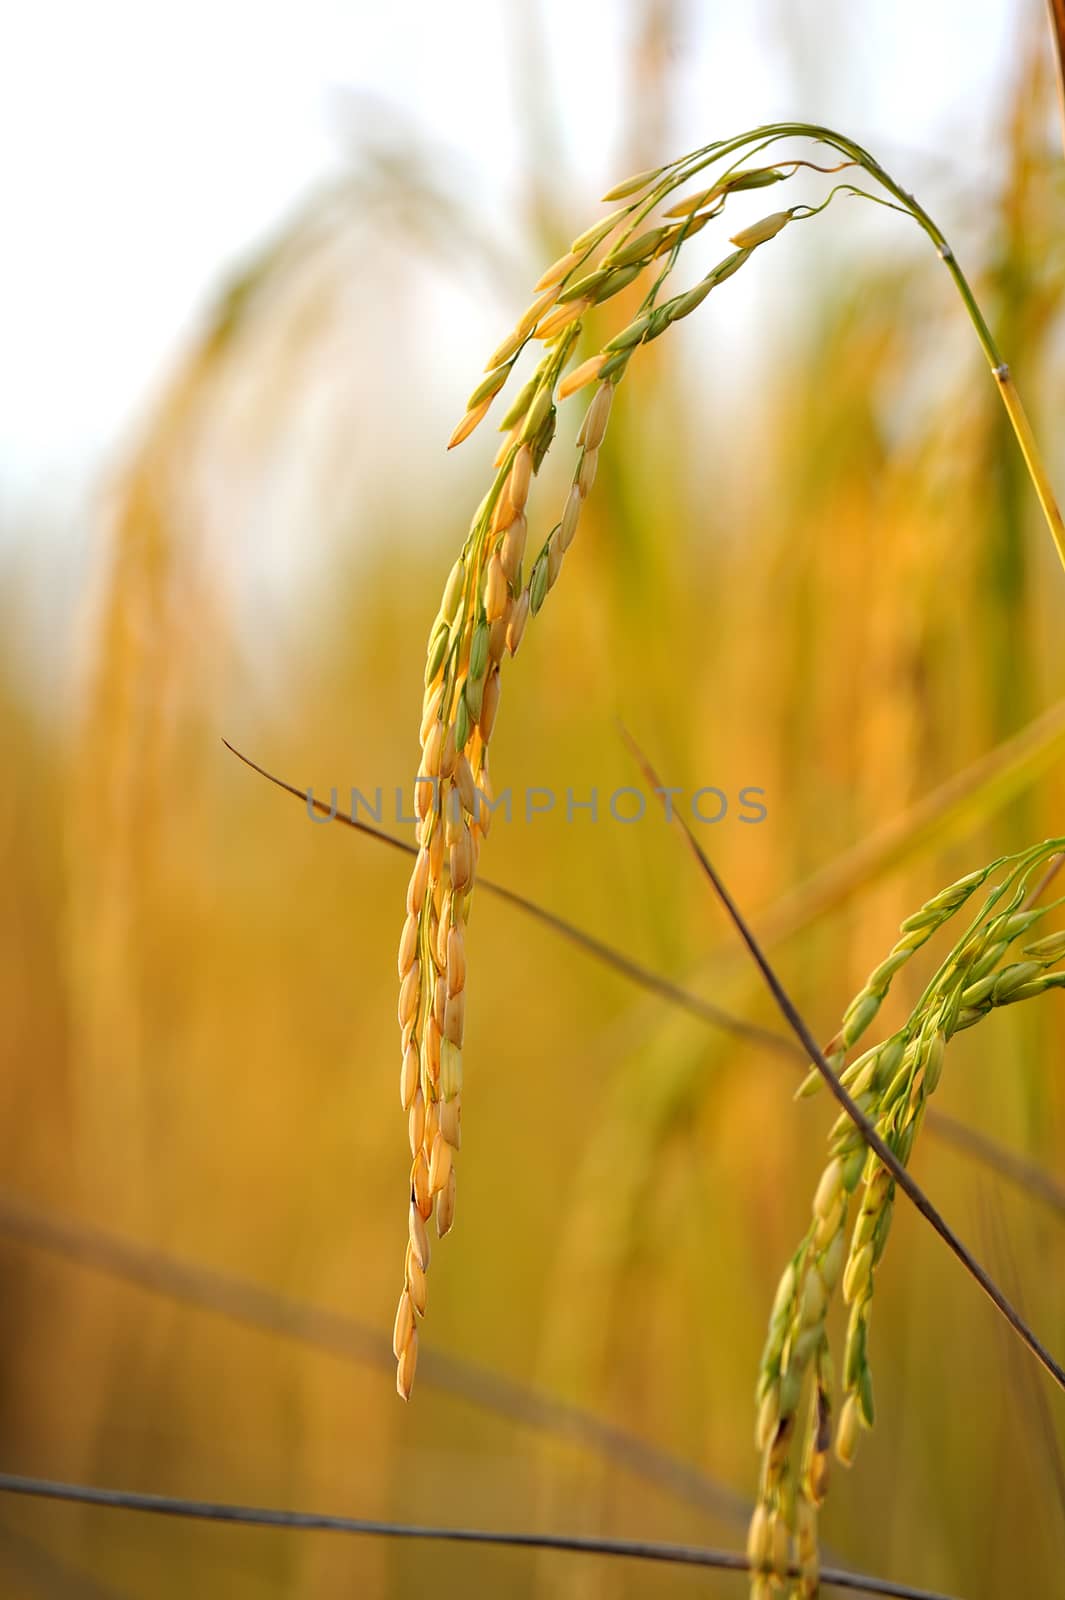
[
  {"x": 453, "y": 823},
  {"x": 456, "y": 580},
  {"x": 409, "y": 995},
  {"x": 805, "y": 1526},
  {"x": 431, "y": 1051},
  {"x": 489, "y": 708},
  {"x": 510, "y": 347},
  {"x": 768, "y": 1417},
  {"x": 451, "y": 1121},
  {"x": 812, "y": 1302},
  {"x": 831, "y": 1262},
  {"x": 759, "y": 232},
  {"x": 520, "y": 478},
  {"x": 455, "y": 1017},
  {"x": 408, "y": 945},
  {"x": 468, "y": 423},
  {"x": 847, "y": 1431},
  {"x": 497, "y": 634},
  {"x": 419, "y": 1239},
  {"x": 464, "y": 782},
  {"x": 430, "y": 710},
  {"x": 507, "y": 445},
  {"x": 555, "y": 553},
  {"x": 817, "y": 1475},
  {"x": 518, "y": 619},
  {"x": 571, "y": 513},
  {"x": 781, "y": 1545},
  {"x": 417, "y": 1285},
  {"x": 505, "y": 510},
  {"x": 436, "y": 853},
  {"x": 857, "y": 1274},
  {"x": 513, "y": 548},
  {"x": 496, "y": 591},
  {"x": 759, "y": 1539},
  {"x": 693, "y": 202},
  {"x": 432, "y": 1123},
  {"x": 828, "y": 1189},
  {"x": 558, "y": 269},
  {"x": 408, "y": 1077},
  {"x": 419, "y": 1182},
  {"x": 829, "y": 1225},
  {"x": 439, "y": 1164},
  {"x": 561, "y": 318},
  {"x": 445, "y": 1206},
  {"x": 450, "y": 1069},
  {"x": 587, "y": 372},
  {"x": 456, "y": 959},
  {"x": 599, "y": 230},
  {"x": 408, "y": 1363},
  {"x": 424, "y": 797},
  {"x": 633, "y": 185},
  {"x": 416, "y": 1122},
  {"x": 461, "y": 862},
  {"x": 418, "y": 879},
  {"x": 431, "y": 748},
  {"x": 404, "y": 1324},
  {"x": 593, "y": 429},
  {"x": 449, "y": 754},
  {"x": 532, "y": 316}
]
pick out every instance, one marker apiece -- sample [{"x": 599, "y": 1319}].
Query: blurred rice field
[{"x": 830, "y": 584}]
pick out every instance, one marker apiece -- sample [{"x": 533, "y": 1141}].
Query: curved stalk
[{"x": 1011, "y": 400}]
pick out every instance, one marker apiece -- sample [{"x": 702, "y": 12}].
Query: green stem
[{"x": 1011, "y": 400}]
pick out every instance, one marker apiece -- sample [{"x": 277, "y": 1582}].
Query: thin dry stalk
[{"x": 1015, "y": 1169}]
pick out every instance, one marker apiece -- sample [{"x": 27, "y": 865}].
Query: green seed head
[
  {"x": 638, "y": 249},
  {"x": 538, "y": 584},
  {"x": 634, "y": 185},
  {"x": 1015, "y": 977},
  {"x": 489, "y": 387},
  {"x": 631, "y": 335},
  {"x": 522, "y": 402},
  {"x": 1047, "y": 950},
  {"x": 858, "y": 1016},
  {"x": 438, "y": 644},
  {"x": 479, "y": 651},
  {"x": 762, "y": 231}
]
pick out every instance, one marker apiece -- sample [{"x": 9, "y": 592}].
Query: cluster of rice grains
[
  {"x": 890, "y": 1083},
  {"x": 488, "y": 599}
]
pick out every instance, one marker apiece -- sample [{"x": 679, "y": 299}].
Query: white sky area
[{"x": 148, "y": 145}]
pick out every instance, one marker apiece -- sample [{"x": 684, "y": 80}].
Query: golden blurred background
[{"x": 811, "y": 564}]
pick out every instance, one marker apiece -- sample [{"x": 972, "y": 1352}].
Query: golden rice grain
[
  {"x": 561, "y": 318},
  {"x": 439, "y": 1164},
  {"x": 468, "y": 423},
  {"x": 516, "y": 626},
  {"x": 408, "y": 1082},
  {"x": 760, "y": 232},
  {"x": 404, "y": 1325},
  {"x": 408, "y": 1362},
  {"x": 496, "y": 590},
  {"x": 587, "y": 372},
  {"x": 417, "y": 1283},
  {"x": 445, "y": 1205}
]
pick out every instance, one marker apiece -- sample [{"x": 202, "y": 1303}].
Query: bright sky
[{"x": 147, "y": 145}]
